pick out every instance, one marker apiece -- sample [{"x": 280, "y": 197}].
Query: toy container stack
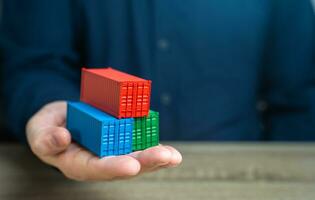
[{"x": 113, "y": 116}]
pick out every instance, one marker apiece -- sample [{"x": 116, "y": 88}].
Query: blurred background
[
  {"x": 253, "y": 60},
  {"x": 4, "y": 132}
]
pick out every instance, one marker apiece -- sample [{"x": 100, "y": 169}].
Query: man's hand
[{"x": 51, "y": 142}]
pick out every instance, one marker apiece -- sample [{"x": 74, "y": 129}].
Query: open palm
[{"x": 51, "y": 142}]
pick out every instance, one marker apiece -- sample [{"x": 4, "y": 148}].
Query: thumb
[{"x": 50, "y": 141}]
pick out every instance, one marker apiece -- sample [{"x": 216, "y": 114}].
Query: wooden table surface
[{"x": 218, "y": 171}]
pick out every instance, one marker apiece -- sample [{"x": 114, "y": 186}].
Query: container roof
[
  {"x": 94, "y": 112},
  {"x": 114, "y": 74}
]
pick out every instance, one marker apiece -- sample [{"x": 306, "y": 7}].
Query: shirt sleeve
[{"x": 39, "y": 58}]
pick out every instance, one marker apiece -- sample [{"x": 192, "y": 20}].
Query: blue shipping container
[{"x": 102, "y": 134}]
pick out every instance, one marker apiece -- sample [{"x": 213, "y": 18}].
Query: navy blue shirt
[{"x": 221, "y": 69}]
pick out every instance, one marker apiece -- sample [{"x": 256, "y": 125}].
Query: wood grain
[{"x": 238, "y": 171}]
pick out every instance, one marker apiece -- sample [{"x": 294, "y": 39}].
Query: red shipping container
[{"x": 117, "y": 93}]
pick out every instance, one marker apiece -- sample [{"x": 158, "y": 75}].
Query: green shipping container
[{"x": 145, "y": 131}]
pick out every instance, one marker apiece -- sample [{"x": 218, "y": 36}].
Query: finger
[
  {"x": 79, "y": 164},
  {"x": 176, "y": 157},
  {"x": 175, "y": 160},
  {"x": 45, "y": 121},
  {"x": 152, "y": 157},
  {"x": 50, "y": 141},
  {"x": 53, "y": 114}
]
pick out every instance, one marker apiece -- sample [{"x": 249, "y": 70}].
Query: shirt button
[
  {"x": 166, "y": 99},
  {"x": 262, "y": 106},
  {"x": 163, "y": 44}
]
